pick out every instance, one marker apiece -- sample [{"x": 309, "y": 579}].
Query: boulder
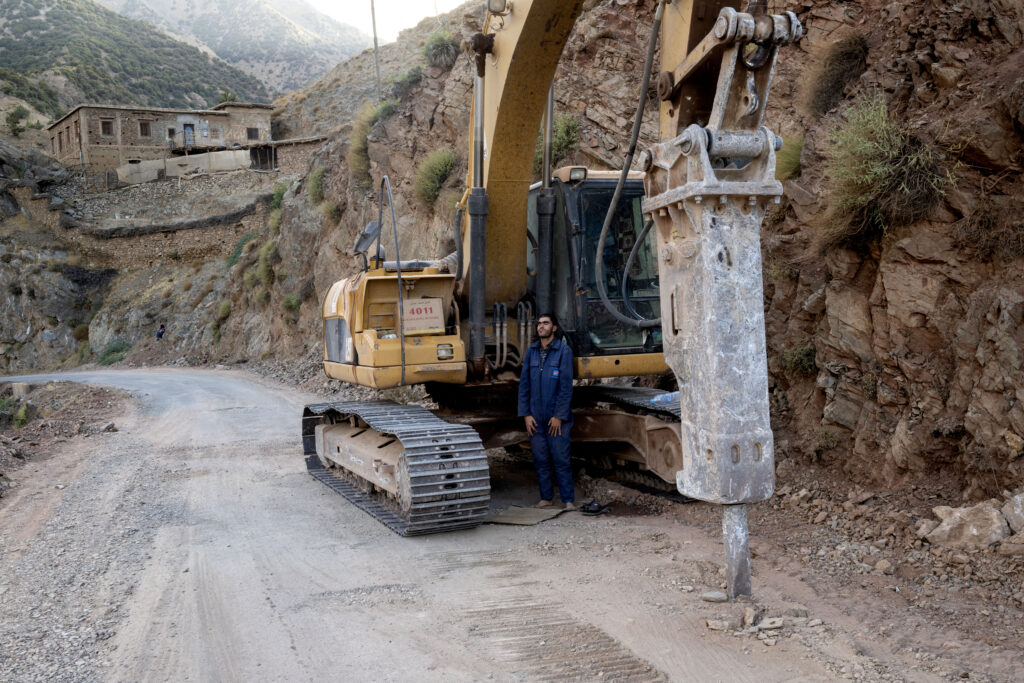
[
  {"x": 969, "y": 528},
  {"x": 1014, "y": 545},
  {"x": 1014, "y": 512}
]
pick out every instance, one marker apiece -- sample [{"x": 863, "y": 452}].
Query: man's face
[{"x": 545, "y": 328}]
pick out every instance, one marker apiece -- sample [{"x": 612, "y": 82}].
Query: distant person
[
  {"x": 545, "y": 392},
  {"x": 160, "y": 332}
]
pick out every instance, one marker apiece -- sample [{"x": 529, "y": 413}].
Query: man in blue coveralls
[{"x": 545, "y": 391}]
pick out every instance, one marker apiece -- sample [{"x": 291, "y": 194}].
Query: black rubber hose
[
  {"x": 599, "y": 259},
  {"x": 629, "y": 264}
]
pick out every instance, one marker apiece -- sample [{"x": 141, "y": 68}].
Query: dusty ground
[{"x": 192, "y": 545}]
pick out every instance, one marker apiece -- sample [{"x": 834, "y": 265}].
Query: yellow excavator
[{"x": 576, "y": 243}]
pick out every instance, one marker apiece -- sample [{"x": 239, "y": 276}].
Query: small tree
[
  {"x": 14, "y": 119},
  {"x": 227, "y": 96}
]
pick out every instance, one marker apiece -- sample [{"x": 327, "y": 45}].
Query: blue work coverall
[{"x": 546, "y": 392}]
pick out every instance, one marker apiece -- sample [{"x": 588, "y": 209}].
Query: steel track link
[{"x": 449, "y": 480}]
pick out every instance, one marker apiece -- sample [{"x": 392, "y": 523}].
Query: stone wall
[{"x": 293, "y": 158}]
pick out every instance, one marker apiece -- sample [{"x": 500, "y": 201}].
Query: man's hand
[
  {"x": 531, "y": 425},
  {"x": 555, "y": 426}
]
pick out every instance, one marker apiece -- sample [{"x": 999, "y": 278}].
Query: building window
[
  {"x": 253, "y": 133},
  {"x": 60, "y": 141},
  {"x": 78, "y": 134},
  {"x": 143, "y": 129},
  {"x": 106, "y": 127},
  {"x": 170, "y": 133},
  {"x": 53, "y": 146}
]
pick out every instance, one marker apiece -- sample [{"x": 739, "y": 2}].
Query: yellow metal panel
[
  {"x": 388, "y": 377},
  {"x": 593, "y": 367},
  {"x": 376, "y": 352},
  {"x": 685, "y": 24}
]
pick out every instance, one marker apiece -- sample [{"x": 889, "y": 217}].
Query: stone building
[{"x": 103, "y": 137}]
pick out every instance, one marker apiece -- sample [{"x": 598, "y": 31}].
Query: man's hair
[{"x": 552, "y": 317}]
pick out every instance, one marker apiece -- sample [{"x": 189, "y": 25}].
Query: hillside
[
  {"x": 58, "y": 53},
  {"x": 284, "y": 43}
]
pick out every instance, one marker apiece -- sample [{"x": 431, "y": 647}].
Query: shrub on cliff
[
  {"x": 881, "y": 176},
  {"x": 358, "y": 157},
  {"x": 787, "y": 159},
  {"x": 114, "y": 353},
  {"x": 565, "y": 138},
  {"x": 432, "y": 173},
  {"x": 81, "y": 332},
  {"x": 403, "y": 85},
  {"x": 316, "y": 185},
  {"x": 279, "y": 190},
  {"x": 237, "y": 251},
  {"x": 843, "y": 63},
  {"x": 331, "y": 212},
  {"x": 441, "y": 50},
  {"x": 265, "y": 269}
]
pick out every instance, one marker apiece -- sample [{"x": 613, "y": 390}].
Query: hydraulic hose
[
  {"x": 602, "y": 289},
  {"x": 385, "y": 184},
  {"x": 629, "y": 264}
]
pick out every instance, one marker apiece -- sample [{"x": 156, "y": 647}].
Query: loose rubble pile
[{"x": 36, "y": 419}]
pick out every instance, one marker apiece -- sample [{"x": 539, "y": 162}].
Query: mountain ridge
[{"x": 284, "y": 43}]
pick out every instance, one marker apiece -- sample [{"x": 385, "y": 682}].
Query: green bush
[
  {"x": 787, "y": 159},
  {"x": 357, "y": 156},
  {"x": 441, "y": 50},
  {"x": 843, "y": 63},
  {"x": 237, "y": 251},
  {"x": 81, "y": 332},
  {"x": 403, "y": 85},
  {"x": 20, "y": 416},
  {"x": 14, "y": 118},
  {"x": 291, "y": 303},
  {"x": 432, "y": 173},
  {"x": 265, "y": 266},
  {"x": 114, "y": 353},
  {"x": 565, "y": 138},
  {"x": 224, "y": 311},
  {"x": 331, "y": 212},
  {"x": 215, "y": 329},
  {"x": 279, "y": 190},
  {"x": 316, "y": 185},
  {"x": 881, "y": 176},
  {"x": 274, "y": 221},
  {"x": 800, "y": 359},
  {"x": 250, "y": 278}
]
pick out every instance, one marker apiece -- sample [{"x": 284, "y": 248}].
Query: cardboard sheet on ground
[{"x": 523, "y": 516}]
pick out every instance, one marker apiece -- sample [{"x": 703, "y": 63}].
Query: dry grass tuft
[
  {"x": 843, "y": 63},
  {"x": 989, "y": 232},
  {"x": 881, "y": 176}
]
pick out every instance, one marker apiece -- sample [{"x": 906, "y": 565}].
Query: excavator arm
[{"x": 707, "y": 184}]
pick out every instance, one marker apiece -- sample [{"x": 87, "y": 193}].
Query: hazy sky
[{"x": 392, "y": 15}]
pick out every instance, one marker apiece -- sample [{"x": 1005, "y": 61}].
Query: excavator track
[{"x": 446, "y": 467}]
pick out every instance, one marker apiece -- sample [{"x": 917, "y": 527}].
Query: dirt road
[{"x": 192, "y": 545}]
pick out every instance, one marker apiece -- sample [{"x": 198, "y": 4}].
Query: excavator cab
[{"x": 582, "y": 199}]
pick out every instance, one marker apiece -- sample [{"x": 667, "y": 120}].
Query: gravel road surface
[{"x": 192, "y": 545}]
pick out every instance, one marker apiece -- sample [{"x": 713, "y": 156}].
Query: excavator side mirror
[
  {"x": 497, "y": 6},
  {"x": 365, "y": 242}
]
